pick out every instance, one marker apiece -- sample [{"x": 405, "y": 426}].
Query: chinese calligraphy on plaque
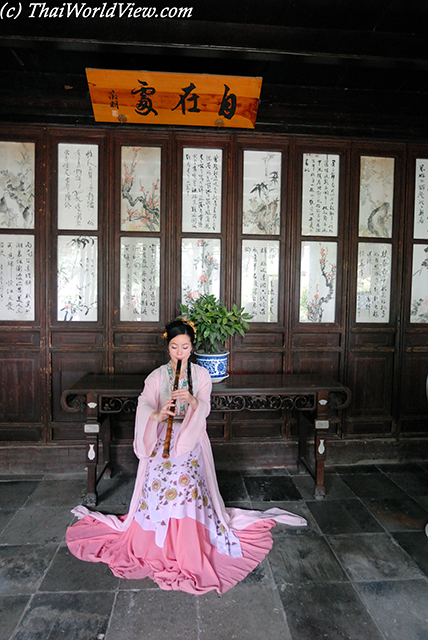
[
  {"x": 260, "y": 269},
  {"x": 200, "y": 268},
  {"x": 77, "y": 186},
  {"x": 140, "y": 188},
  {"x": 77, "y": 278},
  {"x": 376, "y": 197},
  {"x": 320, "y": 194},
  {"x": 318, "y": 281},
  {"x": 17, "y": 277},
  {"x": 373, "y": 282},
  {"x": 421, "y": 200},
  {"x": 419, "y": 299},
  {"x": 262, "y": 192},
  {"x": 201, "y": 205},
  {"x": 139, "y": 279},
  {"x": 17, "y": 185}
]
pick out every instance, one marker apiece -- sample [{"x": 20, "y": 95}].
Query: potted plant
[{"x": 214, "y": 324}]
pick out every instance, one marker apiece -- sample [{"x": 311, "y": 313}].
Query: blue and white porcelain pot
[{"x": 215, "y": 363}]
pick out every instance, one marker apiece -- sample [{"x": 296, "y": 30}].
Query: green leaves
[{"x": 214, "y": 323}]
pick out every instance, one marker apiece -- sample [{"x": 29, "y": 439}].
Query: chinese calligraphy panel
[
  {"x": 77, "y": 278},
  {"x": 262, "y": 192},
  {"x": 374, "y": 282},
  {"x": 202, "y": 180},
  {"x": 318, "y": 281},
  {"x": 17, "y": 277},
  {"x": 259, "y": 284},
  {"x": 421, "y": 200},
  {"x": 140, "y": 188},
  {"x": 17, "y": 185},
  {"x": 77, "y": 186},
  {"x": 200, "y": 268},
  {"x": 139, "y": 279},
  {"x": 320, "y": 194},
  {"x": 376, "y": 197}
]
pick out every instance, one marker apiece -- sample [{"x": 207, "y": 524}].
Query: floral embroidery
[
  {"x": 194, "y": 463},
  {"x": 156, "y": 485},
  {"x": 184, "y": 480},
  {"x": 171, "y": 494},
  {"x": 143, "y": 505},
  {"x": 205, "y": 501},
  {"x": 167, "y": 465},
  {"x": 195, "y": 493}
]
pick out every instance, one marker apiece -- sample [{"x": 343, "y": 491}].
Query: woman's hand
[
  {"x": 163, "y": 414},
  {"x": 184, "y": 395}
]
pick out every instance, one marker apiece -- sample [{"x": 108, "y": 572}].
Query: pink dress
[{"x": 178, "y": 531}]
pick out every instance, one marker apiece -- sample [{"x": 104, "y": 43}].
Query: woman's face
[{"x": 180, "y": 348}]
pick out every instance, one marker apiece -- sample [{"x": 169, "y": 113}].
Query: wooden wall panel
[{"x": 20, "y": 387}]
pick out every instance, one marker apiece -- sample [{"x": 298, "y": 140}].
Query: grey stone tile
[
  {"x": 114, "y": 494},
  {"x": 415, "y": 543},
  {"x": 423, "y": 501},
  {"x": 297, "y": 508},
  {"x": 5, "y": 517},
  {"x": 69, "y": 616},
  {"x": 334, "y": 486},
  {"x": 137, "y": 585},
  {"x": 343, "y": 516},
  {"x": 57, "y": 492},
  {"x": 414, "y": 483},
  {"x": 357, "y": 469},
  {"x": 23, "y": 567},
  {"x": 14, "y": 493},
  {"x": 245, "y": 612},
  {"x": 370, "y": 557},
  {"x": 398, "y": 467},
  {"x": 399, "y": 608},
  {"x": 372, "y": 485},
  {"x": 37, "y": 525},
  {"x": 303, "y": 559},
  {"x": 283, "y": 471},
  {"x": 327, "y": 611},
  {"x": 260, "y": 576},
  {"x": 232, "y": 487},
  {"x": 271, "y": 488},
  {"x": 11, "y": 610},
  {"x": 153, "y": 615},
  {"x": 67, "y": 573},
  {"x": 398, "y": 514}
]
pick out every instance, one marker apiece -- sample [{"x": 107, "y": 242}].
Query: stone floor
[{"x": 359, "y": 571}]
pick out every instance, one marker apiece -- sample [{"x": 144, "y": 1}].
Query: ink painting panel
[
  {"x": 376, "y": 197},
  {"x": 318, "y": 276},
  {"x": 419, "y": 298},
  {"x": 200, "y": 268},
  {"x": 140, "y": 188},
  {"x": 202, "y": 190},
  {"x": 78, "y": 186},
  {"x": 17, "y": 188},
  {"x": 77, "y": 279},
  {"x": 262, "y": 192},
  {"x": 259, "y": 283},
  {"x": 139, "y": 279},
  {"x": 374, "y": 282}
]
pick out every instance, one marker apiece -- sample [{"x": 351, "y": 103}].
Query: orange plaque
[{"x": 174, "y": 98}]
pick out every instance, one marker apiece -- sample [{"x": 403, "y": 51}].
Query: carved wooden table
[{"x": 103, "y": 395}]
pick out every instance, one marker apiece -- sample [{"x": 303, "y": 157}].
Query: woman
[{"x": 178, "y": 531}]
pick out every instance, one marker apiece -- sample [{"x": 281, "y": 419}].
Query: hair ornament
[
  {"x": 164, "y": 335},
  {"x": 190, "y": 323}
]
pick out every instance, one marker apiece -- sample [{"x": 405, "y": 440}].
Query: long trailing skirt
[{"x": 175, "y": 537}]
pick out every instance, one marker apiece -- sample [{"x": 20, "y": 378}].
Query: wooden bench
[{"x": 103, "y": 395}]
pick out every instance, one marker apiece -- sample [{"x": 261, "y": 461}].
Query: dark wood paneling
[
  {"x": 327, "y": 363},
  {"x": 262, "y": 361},
  {"x": 75, "y": 339},
  {"x": 137, "y": 361},
  {"x": 20, "y": 387},
  {"x": 371, "y": 380}
]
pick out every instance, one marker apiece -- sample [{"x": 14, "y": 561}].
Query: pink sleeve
[
  {"x": 194, "y": 424},
  {"x": 146, "y": 429}
]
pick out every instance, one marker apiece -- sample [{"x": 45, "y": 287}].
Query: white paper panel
[
  {"x": 376, "y": 197},
  {"x": 140, "y": 188},
  {"x": 374, "y": 282},
  {"x": 17, "y": 277},
  {"x": 419, "y": 304},
  {"x": 318, "y": 281},
  {"x": 200, "y": 268},
  {"x": 201, "y": 205},
  {"x": 77, "y": 278},
  {"x": 78, "y": 186},
  {"x": 320, "y": 194},
  {"x": 262, "y": 192},
  {"x": 17, "y": 185},
  {"x": 421, "y": 200},
  {"x": 139, "y": 279},
  {"x": 259, "y": 286}
]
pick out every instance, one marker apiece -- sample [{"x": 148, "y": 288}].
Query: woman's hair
[
  {"x": 180, "y": 328},
  {"x": 177, "y": 328}
]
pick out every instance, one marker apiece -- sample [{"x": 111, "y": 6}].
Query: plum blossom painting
[
  {"x": 376, "y": 197},
  {"x": 200, "y": 268},
  {"x": 17, "y": 185},
  {"x": 259, "y": 284},
  {"x": 318, "y": 281},
  {"x": 140, "y": 188},
  {"x": 262, "y": 192},
  {"x": 77, "y": 278},
  {"x": 139, "y": 279},
  {"x": 78, "y": 186},
  {"x": 421, "y": 200},
  {"x": 419, "y": 298},
  {"x": 373, "y": 282}
]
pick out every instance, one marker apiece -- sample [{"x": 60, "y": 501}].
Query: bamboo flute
[{"x": 171, "y": 418}]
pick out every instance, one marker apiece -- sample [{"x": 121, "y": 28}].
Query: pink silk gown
[{"x": 178, "y": 531}]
